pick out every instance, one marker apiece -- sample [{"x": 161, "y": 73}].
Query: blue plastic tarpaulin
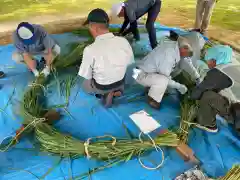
[{"x": 217, "y": 152}]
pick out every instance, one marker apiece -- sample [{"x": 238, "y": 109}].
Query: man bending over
[{"x": 31, "y": 40}]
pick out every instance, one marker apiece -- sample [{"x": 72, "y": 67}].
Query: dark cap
[{"x": 97, "y": 16}]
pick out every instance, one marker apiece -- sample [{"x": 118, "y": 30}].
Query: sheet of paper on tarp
[{"x": 144, "y": 121}]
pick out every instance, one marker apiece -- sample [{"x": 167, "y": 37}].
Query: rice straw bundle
[
  {"x": 33, "y": 101},
  {"x": 233, "y": 174},
  {"x": 188, "y": 114},
  {"x": 50, "y": 140},
  {"x": 33, "y": 106},
  {"x": 73, "y": 58},
  {"x": 100, "y": 148},
  {"x": 188, "y": 108}
]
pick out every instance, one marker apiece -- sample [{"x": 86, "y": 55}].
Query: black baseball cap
[{"x": 97, "y": 16}]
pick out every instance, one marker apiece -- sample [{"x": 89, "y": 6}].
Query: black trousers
[
  {"x": 211, "y": 104},
  {"x": 152, "y": 16}
]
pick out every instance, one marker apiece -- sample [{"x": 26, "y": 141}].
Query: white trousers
[
  {"x": 158, "y": 84},
  {"x": 204, "y": 11},
  {"x": 18, "y": 57}
]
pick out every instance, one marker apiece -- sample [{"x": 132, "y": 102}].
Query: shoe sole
[
  {"x": 206, "y": 129},
  {"x": 117, "y": 94}
]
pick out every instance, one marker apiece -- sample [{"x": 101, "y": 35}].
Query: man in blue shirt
[
  {"x": 132, "y": 10},
  {"x": 31, "y": 40}
]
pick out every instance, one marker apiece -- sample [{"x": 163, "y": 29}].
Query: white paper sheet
[{"x": 144, "y": 121}]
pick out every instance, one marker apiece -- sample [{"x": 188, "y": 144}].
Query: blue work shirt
[{"x": 42, "y": 43}]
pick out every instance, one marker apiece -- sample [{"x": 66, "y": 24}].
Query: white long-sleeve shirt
[{"x": 165, "y": 59}]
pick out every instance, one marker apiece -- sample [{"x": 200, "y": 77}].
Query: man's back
[
  {"x": 162, "y": 59},
  {"x": 109, "y": 57},
  {"x": 137, "y": 8}
]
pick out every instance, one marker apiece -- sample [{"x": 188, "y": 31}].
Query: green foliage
[{"x": 188, "y": 108}]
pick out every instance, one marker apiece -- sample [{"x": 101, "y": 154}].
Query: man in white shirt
[
  {"x": 155, "y": 70},
  {"x": 105, "y": 61}
]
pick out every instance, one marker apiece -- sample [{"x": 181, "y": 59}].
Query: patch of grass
[
  {"x": 12, "y": 10},
  {"x": 225, "y": 15}
]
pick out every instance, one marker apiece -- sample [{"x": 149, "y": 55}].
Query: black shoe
[
  {"x": 211, "y": 129},
  {"x": 154, "y": 104},
  {"x": 2, "y": 74},
  {"x": 98, "y": 96},
  {"x": 196, "y": 30}
]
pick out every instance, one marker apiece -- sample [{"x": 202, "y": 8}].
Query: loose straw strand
[
  {"x": 40, "y": 85},
  {"x": 34, "y": 122}
]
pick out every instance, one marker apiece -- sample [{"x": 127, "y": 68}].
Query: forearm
[
  {"x": 124, "y": 25},
  {"x": 29, "y": 61},
  {"x": 133, "y": 28},
  {"x": 187, "y": 66},
  {"x": 49, "y": 57},
  {"x": 175, "y": 85}
]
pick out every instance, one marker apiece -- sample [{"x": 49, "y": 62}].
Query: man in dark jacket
[
  {"x": 132, "y": 10},
  {"x": 215, "y": 98}
]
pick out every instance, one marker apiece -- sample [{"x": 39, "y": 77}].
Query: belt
[{"x": 109, "y": 86}]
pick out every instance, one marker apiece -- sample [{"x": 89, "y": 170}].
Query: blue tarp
[{"x": 217, "y": 152}]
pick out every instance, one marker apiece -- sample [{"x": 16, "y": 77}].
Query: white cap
[
  {"x": 183, "y": 42},
  {"x": 116, "y": 9},
  {"x": 25, "y": 33}
]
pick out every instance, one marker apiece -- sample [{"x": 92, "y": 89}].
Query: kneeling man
[
  {"x": 154, "y": 71},
  {"x": 105, "y": 61},
  {"x": 32, "y": 40}
]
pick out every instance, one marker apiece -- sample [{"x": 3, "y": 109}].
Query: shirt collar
[{"x": 105, "y": 36}]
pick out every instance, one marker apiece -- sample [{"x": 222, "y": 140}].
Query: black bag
[{"x": 215, "y": 80}]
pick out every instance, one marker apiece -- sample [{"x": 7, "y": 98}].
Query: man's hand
[
  {"x": 198, "y": 81},
  {"x": 46, "y": 71},
  {"x": 35, "y": 72},
  {"x": 183, "y": 89},
  {"x": 49, "y": 57},
  {"x": 29, "y": 61},
  {"x": 117, "y": 34}
]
